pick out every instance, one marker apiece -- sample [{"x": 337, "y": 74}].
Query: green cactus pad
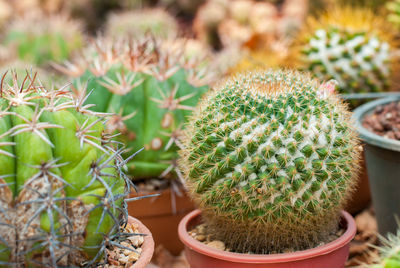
[
  {"x": 270, "y": 158},
  {"x": 152, "y": 86},
  {"x": 61, "y": 188}
]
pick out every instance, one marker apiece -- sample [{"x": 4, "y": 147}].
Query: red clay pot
[
  {"x": 157, "y": 214},
  {"x": 147, "y": 247},
  {"x": 331, "y": 255}
]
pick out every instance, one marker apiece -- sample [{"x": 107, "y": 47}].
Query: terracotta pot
[
  {"x": 361, "y": 198},
  {"x": 157, "y": 214},
  {"x": 330, "y": 255},
  {"x": 147, "y": 246}
]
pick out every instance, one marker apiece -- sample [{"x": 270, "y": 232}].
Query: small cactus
[
  {"x": 138, "y": 23},
  {"x": 351, "y": 45},
  {"x": 61, "y": 186},
  {"x": 394, "y": 12},
  {"x": 152, "y": 85},
  {"x": 270, "y": 158},
  {"x": 389, "y": 252},
  {"x": 40, "y": 39}
]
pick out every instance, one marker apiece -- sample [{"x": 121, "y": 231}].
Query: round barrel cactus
[
  {"x": 152, "y": 86},
  {"x": 351, "y": 45},
  {"x": 40, "y": 39},
  {"x": 61, "y": 187},
  {"x": 270, "y": 158}
]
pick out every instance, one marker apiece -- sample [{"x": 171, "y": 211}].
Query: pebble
[{"x": 217, "y": 244}]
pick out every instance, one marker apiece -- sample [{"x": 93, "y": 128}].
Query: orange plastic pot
[
  {"x": 330, "y": 255},
  {"x": 147, "y": 246},
  {"x": 158, "y": 215}
]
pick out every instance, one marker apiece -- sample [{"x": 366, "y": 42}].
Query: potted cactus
[
  {"x": 357, "y": 48},
  {"x": 152, "y": 85},
  {"x": 62, "y": 189},
  {"x": 270, "y": 158}
]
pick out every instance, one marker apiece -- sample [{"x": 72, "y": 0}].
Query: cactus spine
[
  {"x": 152, "y": 85},
  {"x": 270, "y": 158},
  {"x": 61, "y": 187},
  {"x": 351, "y": 45}
]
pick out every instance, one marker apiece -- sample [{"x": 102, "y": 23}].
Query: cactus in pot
[
  {"x": 152, "y": 85},
  {"x": 351, "y": 45},
  {"x": 61, "y": 186},
  {"x": 270, "y": 158}
]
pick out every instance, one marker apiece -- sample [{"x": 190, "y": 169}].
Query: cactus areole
[
  {"x": 61, "y": 188},
  {"x": 152, "y": 86},
  {"x": 271, "y": 158}
]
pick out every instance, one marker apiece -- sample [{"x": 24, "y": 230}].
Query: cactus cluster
[
  {"x": 351, "y": 45},
  {"x": 40, "y": 39},
  {"x": 270, "y": 158},
  {"x": 137, "y": 23},
  {"x": 249, "y": 23},
  {"x": 61, "y": 186},
  {"x": 152, "y": 85}
]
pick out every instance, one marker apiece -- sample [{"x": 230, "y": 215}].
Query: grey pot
[{"x": 382, "y": 157}]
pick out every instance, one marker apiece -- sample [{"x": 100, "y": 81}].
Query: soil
[
  {"x": 152, "y": 185},
  {"x": 201, "y": 234},
  {"x": 384, "y": 121},
  {"x": 123, "y": 257}
]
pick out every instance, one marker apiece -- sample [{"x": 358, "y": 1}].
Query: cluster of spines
[
  {"x": 45, "y": 223},
  {"x": 122, "y": 69},
  {"x": 267, "y": 151}
]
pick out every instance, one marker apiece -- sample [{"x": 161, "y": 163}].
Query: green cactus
[
  {"x": 389, "y": 252},
  {"x": 152, "y": 86},
  {"x": 351, "y": 45},
  {"x": 270, "y": 158},
  {"x": 138, "y": 23},
  {"x": 42, "y": 39},
  {"x": 61, "y": 188}
]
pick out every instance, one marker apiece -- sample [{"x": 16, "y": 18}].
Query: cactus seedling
[
  {"x": 152, "y": 85},
  {"x": 61, "y": 185},
  {"x": 40, "y": 39},
  {"x": 270, "y": 158},
  {"x": 351, "y": 45}
]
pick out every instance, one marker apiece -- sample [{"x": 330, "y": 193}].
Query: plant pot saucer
[{"x": 331, "y": 255}]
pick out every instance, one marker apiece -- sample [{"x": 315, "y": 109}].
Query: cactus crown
[
  {"x": 152, "y": 85},
  {"x": 39, "y": 39},
  {"x": 61, "y": 187},
  {"x": 352, "y": 46},
  {"x": 157, "y": 22},
  {"x": 270, "y": 158}
]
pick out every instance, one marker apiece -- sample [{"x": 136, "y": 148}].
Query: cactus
[
  {"x": 394, "y": 12},
  {"x": 389, "y": 252},
  {"x": 138, "y": 23},
  {"x": 61, "y": 187},
  {"x": 270, "y": 158},
  {"x": 152, "y": 85},
  {"x": 39, "y": 39},
  {"x": 351, "y": 45}
]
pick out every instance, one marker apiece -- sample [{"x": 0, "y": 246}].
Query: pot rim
[
  {"x": 147, "y": 246},
  {"x": 195, "y": 245},
  {"x": 368, "y": 136}
]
